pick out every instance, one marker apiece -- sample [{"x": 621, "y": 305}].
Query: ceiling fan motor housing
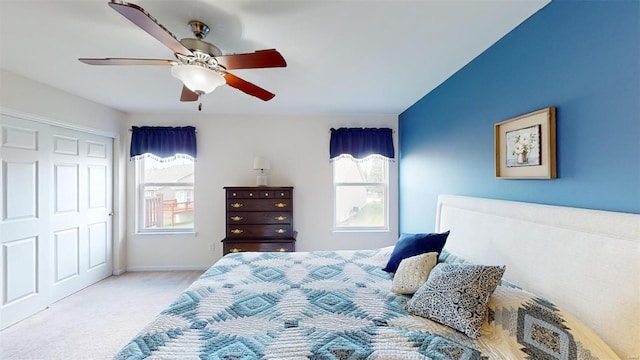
[{"x": 196, "y": 45}]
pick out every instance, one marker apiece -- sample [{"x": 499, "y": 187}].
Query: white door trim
[{"x": 57, "y": 123}]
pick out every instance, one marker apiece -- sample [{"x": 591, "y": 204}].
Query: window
[
  {"x": 360, "y": 177},
  {"x": 164, "y": 166},
  {"x": 164, "y": 191},
  {"x": 360, "y": 193}
]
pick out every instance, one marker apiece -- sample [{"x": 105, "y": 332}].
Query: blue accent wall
[{"x": 581, "y": 57}]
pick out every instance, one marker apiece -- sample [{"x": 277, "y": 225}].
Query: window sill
[
  {"x": 351, "y": 231},
  {"x": 186, "y": 232}
]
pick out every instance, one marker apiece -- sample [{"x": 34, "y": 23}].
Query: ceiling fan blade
[
  {"x": 146, "y": 22},
  {"x": 188, "y": 95},
  {"x": 127, "y": 61},
  {"x": 259, "y": 59},
  {"x": 248, "y": 87}
]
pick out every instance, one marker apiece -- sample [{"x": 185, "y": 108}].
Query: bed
[{"x": 573, "y": 263}]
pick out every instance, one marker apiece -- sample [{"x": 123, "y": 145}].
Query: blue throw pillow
[{"x": 409, "y": 245}]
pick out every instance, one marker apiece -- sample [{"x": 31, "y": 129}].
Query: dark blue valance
[
  {"x": 361, "y": 142},
  {"x": 163, "y": 141}
]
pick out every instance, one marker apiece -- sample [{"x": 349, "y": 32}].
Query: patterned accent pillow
[
  {"x": 413, "y": 272},
  {"x": 457, "y": 295}
]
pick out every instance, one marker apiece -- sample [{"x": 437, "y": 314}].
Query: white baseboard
[{"x": 167, "y": 268}]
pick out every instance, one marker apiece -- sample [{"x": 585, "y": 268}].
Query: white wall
[
  {"x": 26, "y": 96},
  {"x": 298, "y": 148},
  {"x": 32, "y": 100}
]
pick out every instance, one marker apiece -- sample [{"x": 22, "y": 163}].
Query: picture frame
[{"x": 525, "y": 146}]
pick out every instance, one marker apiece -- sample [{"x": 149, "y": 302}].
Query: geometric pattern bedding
[{"x": 338, "y": 305}]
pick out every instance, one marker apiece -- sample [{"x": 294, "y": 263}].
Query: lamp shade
[
  {"x": 198, "y": 79},
  {"x": 260, "y": 163}
]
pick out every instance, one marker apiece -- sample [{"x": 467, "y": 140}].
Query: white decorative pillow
[
  {"x": 457, "y": 295},
  {"x": 413, "y": 272}
]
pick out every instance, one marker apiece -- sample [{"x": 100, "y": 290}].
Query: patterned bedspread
[{"x": 337, "y": 305}]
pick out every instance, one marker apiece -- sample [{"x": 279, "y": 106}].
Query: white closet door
[
  {"x": 55, "y": 227},
  {"x": 24, "y": 226},
  {"x": 80, "y": 213}
]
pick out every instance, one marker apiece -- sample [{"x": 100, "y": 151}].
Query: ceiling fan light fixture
[{"x": 199, "y": 79}]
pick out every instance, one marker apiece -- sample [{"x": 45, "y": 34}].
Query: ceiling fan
[{"x": 200, "y": 65}]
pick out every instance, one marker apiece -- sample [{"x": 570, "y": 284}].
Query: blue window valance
[
  {"x": 163, "y": 141},
  {"x": 361, "y": 142}
]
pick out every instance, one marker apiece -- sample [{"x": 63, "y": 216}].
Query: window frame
[
  {"x": 385, "y": 196},
  {"x": 140, "y": 190}
]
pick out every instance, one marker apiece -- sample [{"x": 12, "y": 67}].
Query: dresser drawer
[
  {"x": 259, "y": 194},
  {"x": 249, "y": 217},
  {"x": 242, "y": 246},
  {"x": 258, "y": 204},
  {"x": 259, "y": 231}
]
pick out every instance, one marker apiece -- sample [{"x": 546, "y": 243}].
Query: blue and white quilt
[{"x": 337, "y": 305}]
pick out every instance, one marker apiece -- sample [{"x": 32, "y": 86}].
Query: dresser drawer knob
[
  {"x": 282, "y": 250},
  {"x": 236, "y": 218},
  {"x": 281, "y": 218},
  {"x": 236, "y": 205},
  {"x": 237, "y": 231},
  {"x": 281, "y": 231},
  {"x": 280, "y": 205},
  {"x": 235, "y": 250}
]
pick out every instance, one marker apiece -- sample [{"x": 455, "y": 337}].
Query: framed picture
[{"x": 525, "y": 146}]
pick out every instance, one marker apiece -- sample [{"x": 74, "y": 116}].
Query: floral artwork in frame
[{"x": 525, "y": 146}]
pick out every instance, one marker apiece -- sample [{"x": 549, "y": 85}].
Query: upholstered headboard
[{"x": 587, "y": 262}]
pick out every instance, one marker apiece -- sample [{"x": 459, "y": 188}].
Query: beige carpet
[{"x": 96, "y": 322}]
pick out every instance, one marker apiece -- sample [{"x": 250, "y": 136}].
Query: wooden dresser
[{"x": 259, "y": 219}]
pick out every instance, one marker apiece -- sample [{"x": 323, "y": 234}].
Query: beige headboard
[{"x": 587, "y": 262}]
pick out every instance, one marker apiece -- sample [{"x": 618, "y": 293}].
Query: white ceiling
[{"x": 343, "y": 57}]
